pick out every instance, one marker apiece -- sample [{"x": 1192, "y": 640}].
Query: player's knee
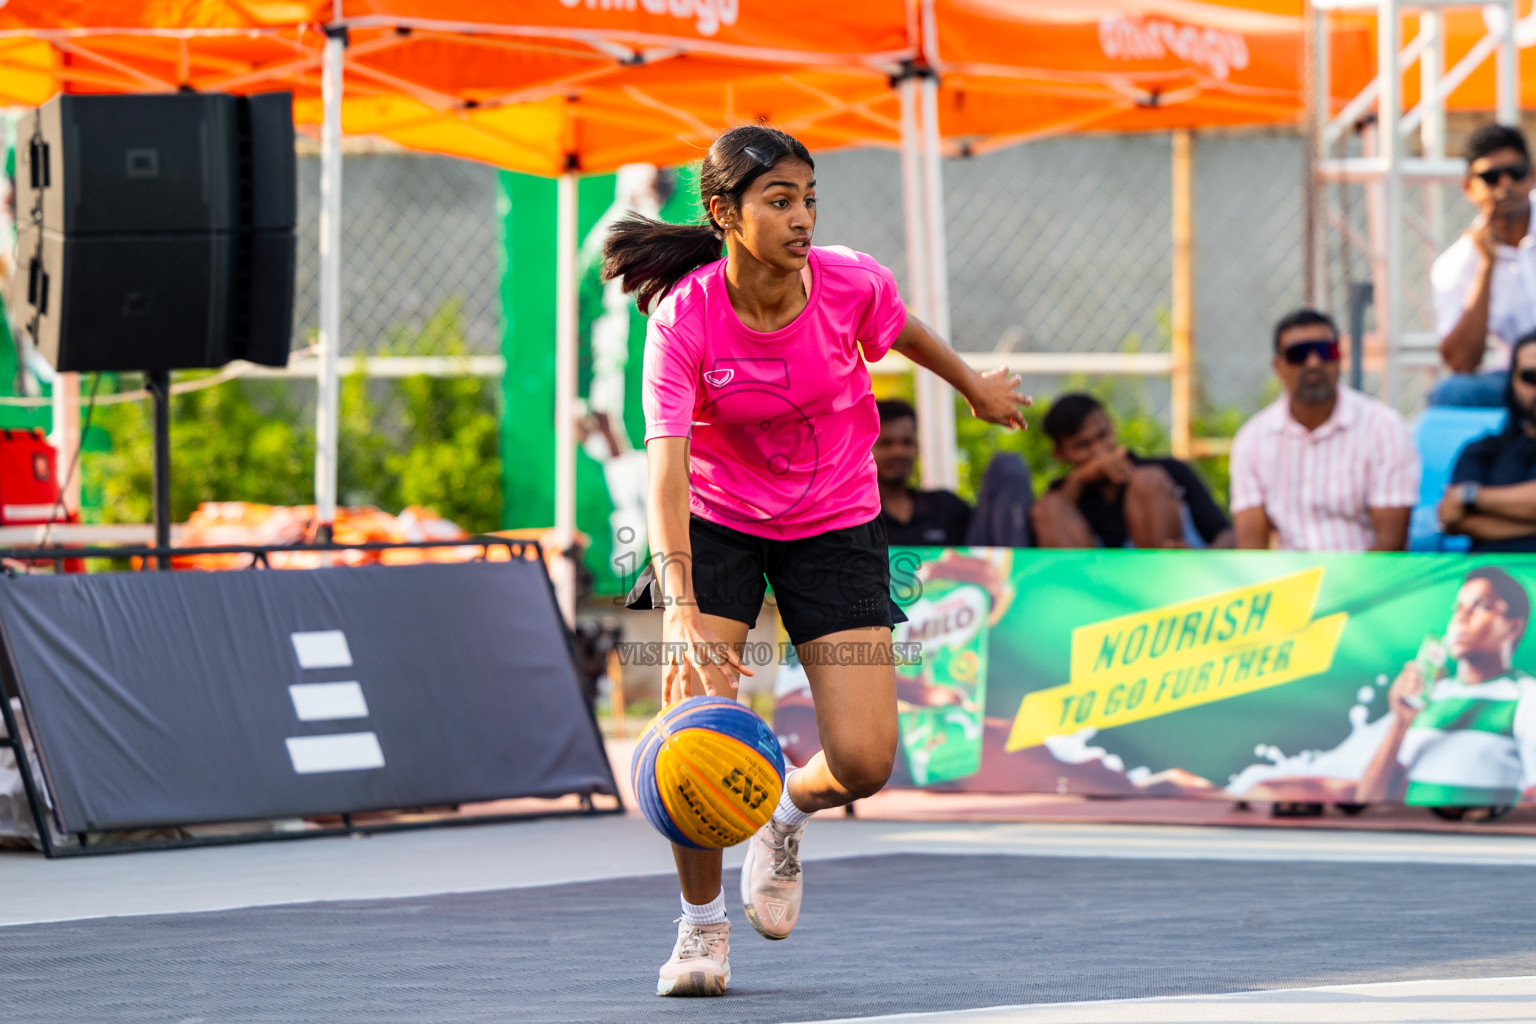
[{"x": 865, "y": 775}]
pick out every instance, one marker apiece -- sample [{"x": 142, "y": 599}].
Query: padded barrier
[{"x": 161, "y": 698}]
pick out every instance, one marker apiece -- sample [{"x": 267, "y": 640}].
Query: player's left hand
[{"x": 996, "y": 398}]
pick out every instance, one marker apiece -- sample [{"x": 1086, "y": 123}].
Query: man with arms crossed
[{"x": 1492, "y": 494}]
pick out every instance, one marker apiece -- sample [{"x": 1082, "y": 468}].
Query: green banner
[
  {"x": 610, "y": 470},
  {"x": 1259, "y": 675},
  {"x": 12, "y": 416}
]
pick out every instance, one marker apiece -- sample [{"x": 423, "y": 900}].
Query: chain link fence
[
  {"x": 1065, "y": 245},
  {"x": 420, "y": 256}
]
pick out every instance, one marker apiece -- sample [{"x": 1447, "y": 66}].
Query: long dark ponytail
[{"x": 651, "y": 256}]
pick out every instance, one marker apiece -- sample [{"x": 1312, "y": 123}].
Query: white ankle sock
[
  {"x": 787, "y": 813},
  {"x": 712, "y": 912}
]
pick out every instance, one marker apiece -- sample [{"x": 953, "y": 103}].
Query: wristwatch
[{"x": 1469, "y": 494}]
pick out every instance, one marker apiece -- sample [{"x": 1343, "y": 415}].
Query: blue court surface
[{"x": 568, "y": 920}]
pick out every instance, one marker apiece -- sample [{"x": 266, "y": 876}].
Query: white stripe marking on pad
[
  {"x": 322, "y": 649},
  {"x": 343, "y": 752},
  {"x": 322, "y": 702}
]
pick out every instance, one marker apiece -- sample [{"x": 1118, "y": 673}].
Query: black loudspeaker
[{"x": 157, "y": 232}]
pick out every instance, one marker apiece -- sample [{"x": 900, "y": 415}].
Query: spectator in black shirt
[
  {"x": 1112, "y": 497},
  {"x": 911, "y": 516},
  {"x": 1492, "y": 494}
]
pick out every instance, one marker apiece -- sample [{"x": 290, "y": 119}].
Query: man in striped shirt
[
  {"x": 1467, "y": 740},
  {"x": 1323, "y": 468}
]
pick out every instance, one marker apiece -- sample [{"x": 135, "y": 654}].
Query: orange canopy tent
[
  {"x": 1017, "y": 70},
  {"x": 541, "y": 88},
  {"x": 545, "y": 85},
  {"x": 1014, "y": 71}
]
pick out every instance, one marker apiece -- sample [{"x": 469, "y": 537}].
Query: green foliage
[
  {"x": 236, "y": 441},
  {"x": 428, "y": 441},
  {"x": 454, "y": 467}
]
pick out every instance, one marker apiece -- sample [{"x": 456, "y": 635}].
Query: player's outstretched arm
[{"x": 993, "y": 395}]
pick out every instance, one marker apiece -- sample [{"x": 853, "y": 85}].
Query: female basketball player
[{"x": 759, "y": 424}]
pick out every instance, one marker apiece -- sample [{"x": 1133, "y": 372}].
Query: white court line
[
  {"x": 1184, "y": 842},
  {"x": 1391, "y": 1002}
]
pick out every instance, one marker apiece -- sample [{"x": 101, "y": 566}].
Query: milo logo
[
  {"x": 949, "y": 621},
  {"x": 707, "y": 15}
]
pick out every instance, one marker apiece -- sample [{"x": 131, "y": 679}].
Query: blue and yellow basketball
[{"x": 708, "y": 773}]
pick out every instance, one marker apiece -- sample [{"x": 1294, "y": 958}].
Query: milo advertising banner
[{"x": 1237, "y": 675}]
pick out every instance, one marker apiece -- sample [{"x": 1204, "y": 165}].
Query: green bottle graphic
[
  {"x": 942, "y": 696},
  {"x": 1431, "y": 660}
]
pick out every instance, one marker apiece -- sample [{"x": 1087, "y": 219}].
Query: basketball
[{"x": 708, "y": 773}]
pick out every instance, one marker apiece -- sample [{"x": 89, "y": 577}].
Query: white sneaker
[
  {"x": 770, "y": 880},
  {"x": 701, "y": 961}
]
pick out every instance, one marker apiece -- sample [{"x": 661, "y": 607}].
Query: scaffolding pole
[{"x": 1385, "y": 165}]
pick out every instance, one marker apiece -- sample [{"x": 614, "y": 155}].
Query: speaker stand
[{"x": 159, "y": 384}]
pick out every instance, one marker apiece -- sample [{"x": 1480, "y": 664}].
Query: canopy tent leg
[
  {"x": 912, "y": 201},
  {"x": 939, "y": 465},
  {"x": 918, "y": 275},
  {"x": 1183, "y": 312},
  {"x": 563, "y": 571},
  {"x": 922, "y": 192},
  {"x": 328, "y": 383}
]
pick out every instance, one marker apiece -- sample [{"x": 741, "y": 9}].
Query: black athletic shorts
[{"x": 833, "y": 581}]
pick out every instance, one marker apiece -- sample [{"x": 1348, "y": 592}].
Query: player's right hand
[
  {"x": 697, "y": 661},
  {"x": 1406, "y": 697}
]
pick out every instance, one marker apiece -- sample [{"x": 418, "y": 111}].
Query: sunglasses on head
[
  {"x": 1516, "y": 172},
  {"x": 1296, "y": 355},
  {"x": 1527, "y": 375}
]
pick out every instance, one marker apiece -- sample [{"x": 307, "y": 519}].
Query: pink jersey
[{"x": 782, "y": 424}]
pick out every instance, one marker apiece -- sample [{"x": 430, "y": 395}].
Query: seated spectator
[
  {"x": 1492, "y": 494},
  {"x": 1323, "y": 468},
  {"x": 1115, "y": 498},
  {"x": 912, "y": 516},
  {"x": 1003, "y": 504},
  {"x": 1485, "y": 284}
]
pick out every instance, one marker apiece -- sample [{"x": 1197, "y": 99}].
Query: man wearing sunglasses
[
  {"x": 1484, "y": 285},
  {"x": 1492, "y": 494},
  {"x": 1323, "y": 468}
]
